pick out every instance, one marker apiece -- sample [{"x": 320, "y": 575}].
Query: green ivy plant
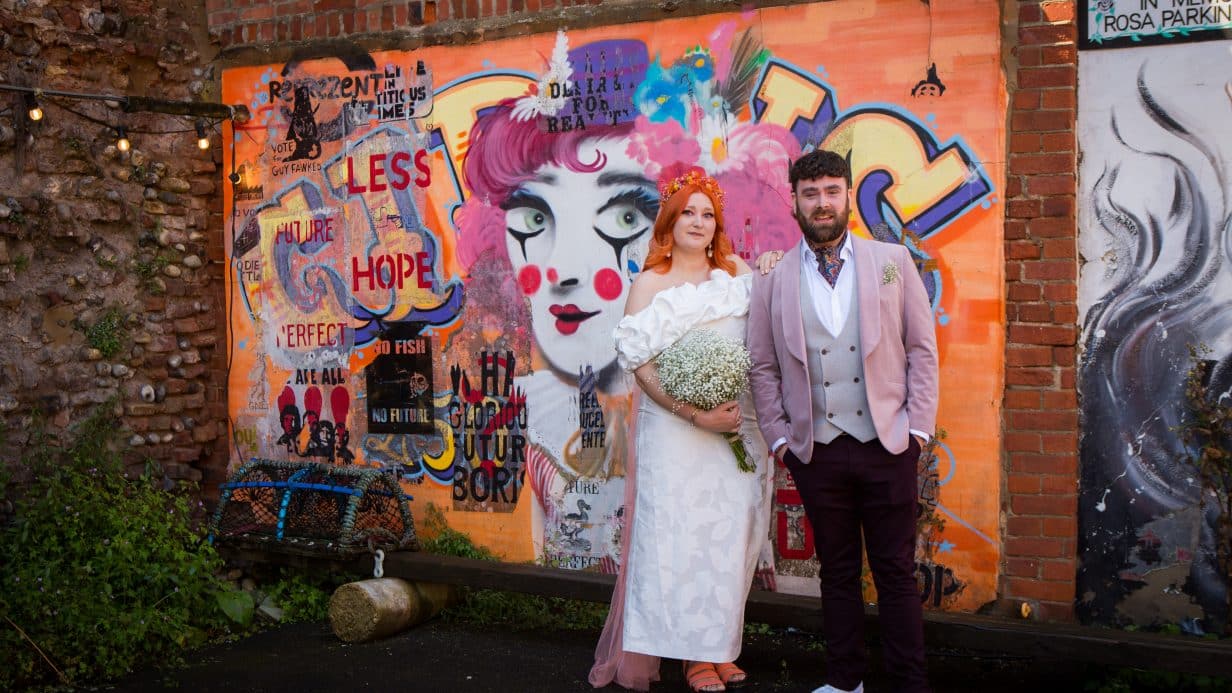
[
  {"x": 108, "y": 333},
  {"x": 99, "y": 573},
  {"x": 147, "y": 271}
]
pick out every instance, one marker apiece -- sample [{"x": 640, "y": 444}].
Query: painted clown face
[{"x": 575, "y": 241}]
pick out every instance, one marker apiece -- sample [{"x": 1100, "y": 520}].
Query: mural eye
[
  {"x": 533, "y": 221},
  {"x": 622, "y": 220},
  {"x": 525, "y": 223},
  {"x": 620, "y": 223}
]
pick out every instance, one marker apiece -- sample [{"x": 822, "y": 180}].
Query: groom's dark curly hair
[{"x": 819, "y": 163}]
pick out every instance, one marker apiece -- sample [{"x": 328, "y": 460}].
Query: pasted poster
[
  {"x": 1155, "y": 225},
  {"x": 1126, "y": 23},
  {"x": 498, "y": 220},
  {"x": 399, "y": 382}
]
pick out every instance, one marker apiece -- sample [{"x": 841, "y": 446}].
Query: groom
[{"x": 844, "y": 379}]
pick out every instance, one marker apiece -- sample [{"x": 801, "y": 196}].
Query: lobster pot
[{"x": 306, "y": 507}]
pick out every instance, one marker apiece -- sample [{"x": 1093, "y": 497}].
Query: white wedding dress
[{"x": 699, "y": 522}]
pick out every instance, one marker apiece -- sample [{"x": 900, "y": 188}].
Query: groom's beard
[{"x": 817, "y": 230}]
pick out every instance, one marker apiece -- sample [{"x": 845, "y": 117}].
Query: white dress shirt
[{"x": 832, "y": 303}]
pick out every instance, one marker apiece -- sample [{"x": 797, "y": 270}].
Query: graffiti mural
[
  {"x": 457, "y": 265},
  {"x": 1156, "y": 233}
]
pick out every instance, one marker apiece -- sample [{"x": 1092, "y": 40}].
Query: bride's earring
[{"x": 710, "y": 250}]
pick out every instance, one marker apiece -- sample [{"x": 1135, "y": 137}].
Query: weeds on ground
[
  {"x": 1142, "y": 681},
  {"x": 527, "y": 612},
  {"x": 506, "y": 609},
  {"x": 436, "y": 536},
  {"x": 304, "y": 597},
  {"x": 758, "y": 629},
  {"x": 99, "y": 573}
]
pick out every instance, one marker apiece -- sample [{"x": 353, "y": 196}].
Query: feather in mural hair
[{"x": 747, "y": 61}]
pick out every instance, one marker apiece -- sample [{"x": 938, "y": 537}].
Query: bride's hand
[
  {"x": 767, "y": 260},
  {"x": 722, "y": 419}
]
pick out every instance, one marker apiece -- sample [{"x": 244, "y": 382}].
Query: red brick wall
[
  {"x": 1041, "y": 272},
  {"x": 240, "y": 22}
]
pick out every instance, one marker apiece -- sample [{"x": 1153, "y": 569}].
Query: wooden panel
[{"x": 984, "y": 634}]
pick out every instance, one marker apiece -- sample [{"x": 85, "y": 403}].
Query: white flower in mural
[{"x": 540, "y": 100}]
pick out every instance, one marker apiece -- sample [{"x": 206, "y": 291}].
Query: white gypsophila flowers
[{"x": 704, "y": 369}]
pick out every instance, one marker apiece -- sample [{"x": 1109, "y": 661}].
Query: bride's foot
[
  {"x": 703, "y": 678},
  {"x": 731, "y": 675}
]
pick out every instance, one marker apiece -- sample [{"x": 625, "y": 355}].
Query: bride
[{"x": 698, "y": 522}]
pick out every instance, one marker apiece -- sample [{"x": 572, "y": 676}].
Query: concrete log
[{"x": 372, "y": 609}]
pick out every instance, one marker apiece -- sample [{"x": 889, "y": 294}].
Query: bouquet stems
[{"x": 742, "y": 454}]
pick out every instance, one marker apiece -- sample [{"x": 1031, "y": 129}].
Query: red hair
[{"x": 659, "y": 256}]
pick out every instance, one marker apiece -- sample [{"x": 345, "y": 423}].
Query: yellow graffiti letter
[
  {"x": 882, "y": 141},
  {"x": 789, "y": 96}
]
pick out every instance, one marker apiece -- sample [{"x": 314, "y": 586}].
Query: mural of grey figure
[{"x": 1154, "y": 234}]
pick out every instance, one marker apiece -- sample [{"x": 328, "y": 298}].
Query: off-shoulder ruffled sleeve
[{"x": 673, "y": 312}]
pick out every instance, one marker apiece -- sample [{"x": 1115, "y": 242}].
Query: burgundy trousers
[{"x": 859, "y": 493}]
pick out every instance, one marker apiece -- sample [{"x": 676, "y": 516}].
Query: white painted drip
[{"x": 1101, "y": 506}]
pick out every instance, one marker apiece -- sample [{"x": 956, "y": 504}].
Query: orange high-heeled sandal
[
  {"x": 703, "y": 678},
  {"x": 731, "y": 675}
]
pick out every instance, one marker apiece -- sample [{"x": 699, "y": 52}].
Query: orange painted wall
[{"x": 838, "y": 75}]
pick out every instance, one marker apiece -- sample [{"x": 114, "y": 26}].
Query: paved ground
[{"x": 450, "y": 657}]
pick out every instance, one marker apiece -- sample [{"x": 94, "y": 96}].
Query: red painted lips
[{"x": 569, "y": 317}]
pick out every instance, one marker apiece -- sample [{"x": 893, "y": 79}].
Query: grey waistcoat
[{"x": 836, "y": 376}]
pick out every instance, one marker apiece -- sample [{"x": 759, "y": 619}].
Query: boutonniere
[{"x": 889, "y": 273}]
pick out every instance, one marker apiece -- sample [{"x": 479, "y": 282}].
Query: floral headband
[{"x": 693, "y": 177}]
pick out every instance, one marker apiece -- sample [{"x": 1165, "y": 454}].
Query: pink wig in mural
[{"x": 572, "y": 211}]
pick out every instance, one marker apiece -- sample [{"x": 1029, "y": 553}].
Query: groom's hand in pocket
[{"x": 780, "y": 452}]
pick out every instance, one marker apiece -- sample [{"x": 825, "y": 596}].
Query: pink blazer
[{"x": 897, "y": 340}]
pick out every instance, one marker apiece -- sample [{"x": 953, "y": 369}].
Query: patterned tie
[{"x": 828, "y": 261}]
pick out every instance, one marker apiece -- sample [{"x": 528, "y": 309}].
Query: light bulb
[
  {"x": 203, "y": 142},
  {"x": 122, "y": 142},
  {"x": 34, "y": 111}
]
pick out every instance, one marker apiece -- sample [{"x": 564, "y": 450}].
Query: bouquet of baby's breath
[{"x": 706, "y": 369}]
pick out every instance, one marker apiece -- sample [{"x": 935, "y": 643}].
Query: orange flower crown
[{"x": 693, "y": 177}]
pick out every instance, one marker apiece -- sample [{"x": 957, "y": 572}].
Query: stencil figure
[
  {"x": 930, "y": 85},
  {"x": 303, "y": 130}
]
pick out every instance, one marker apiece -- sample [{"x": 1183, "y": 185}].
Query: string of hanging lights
[{"x": 205, "y": 114}]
